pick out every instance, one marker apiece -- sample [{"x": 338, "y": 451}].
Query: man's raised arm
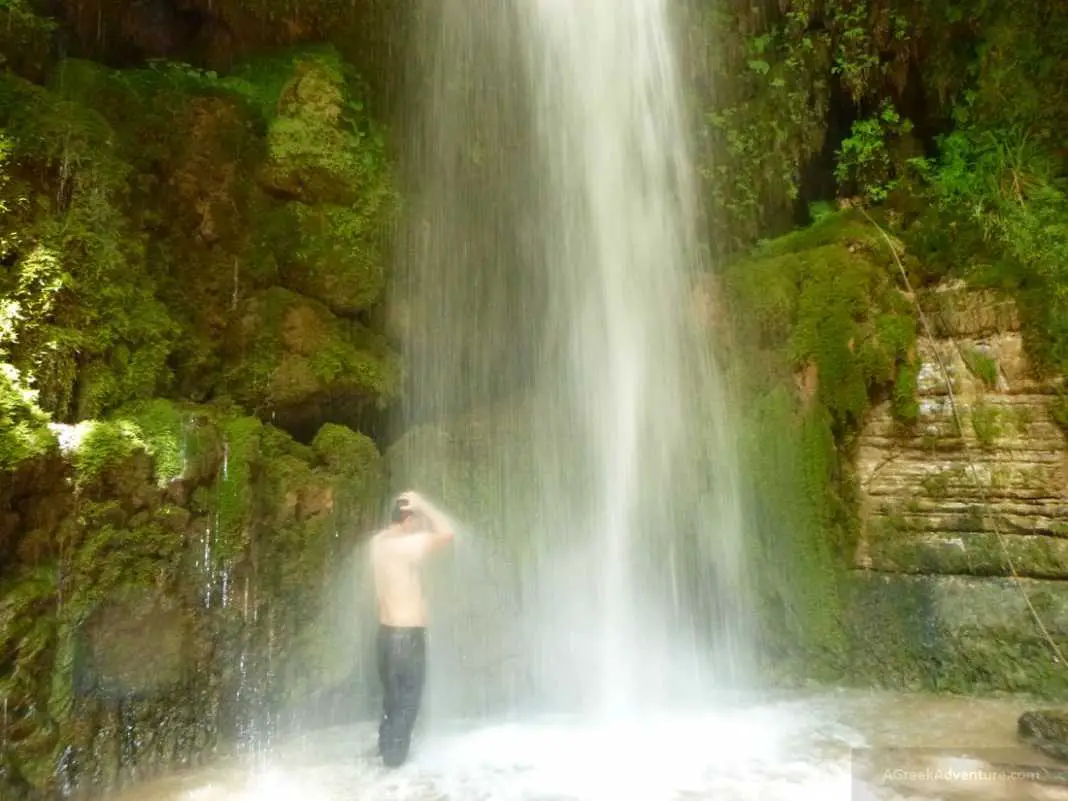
[{"x": 441, "y": 532}]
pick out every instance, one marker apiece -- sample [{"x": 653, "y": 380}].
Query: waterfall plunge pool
[{"x": 826, "y": 746}]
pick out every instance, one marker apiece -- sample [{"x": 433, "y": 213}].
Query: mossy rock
[
  {"x": 144, "y": 644},
  {"x": 825, "y": 299},
  {"x": 822, "y": 331},
  {"x": 338, "y": 258},
  {"x": 969, "y": 552},
  {"x": 133, "y": 645},
  {"x": 321, "y": 146},
  {"x": 955, "y": 634},
  {"x": 290, "y": 353},
  {"x": 324, "y": 152},
  {"x": 1046, "y": 730},
  {"x": 109, "y": 339},
  {"x": 182, "y": 439}
]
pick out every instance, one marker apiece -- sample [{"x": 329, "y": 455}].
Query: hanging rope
[{"x": 980, "y": 486}]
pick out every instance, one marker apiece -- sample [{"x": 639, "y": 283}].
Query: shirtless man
[{"x": 397, "y": 552}]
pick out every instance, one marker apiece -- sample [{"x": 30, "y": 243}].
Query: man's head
[{"x": 401, "y": 513}]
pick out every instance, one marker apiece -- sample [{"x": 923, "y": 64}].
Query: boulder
[{"x": 297, "y": 363}]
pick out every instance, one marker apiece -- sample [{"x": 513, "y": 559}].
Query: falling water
[{"x": 548, "y": 291}]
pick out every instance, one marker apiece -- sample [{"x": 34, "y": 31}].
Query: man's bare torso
[{"x": 396, "y": 561}]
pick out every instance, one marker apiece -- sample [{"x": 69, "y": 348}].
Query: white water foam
[{"x": 748, "y": 750}]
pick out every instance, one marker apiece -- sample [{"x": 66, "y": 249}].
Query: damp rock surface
[
  {"x": 1046, "y": 730},
  {"x": 961, "y": 513}
]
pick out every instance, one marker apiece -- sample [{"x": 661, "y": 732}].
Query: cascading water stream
[{"x": 548, "y": 273}]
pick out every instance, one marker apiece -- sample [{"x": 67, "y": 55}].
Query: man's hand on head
[{"x": 413, "y": 500}]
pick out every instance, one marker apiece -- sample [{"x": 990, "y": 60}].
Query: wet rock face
[
  {"x": 133, "y": 646},
  {"x": 954, "y": 505},
  {"x": 217, "y": 33},
  {"x": 1046, "y": 730},
  {"x": 304, "y": 364},
  {"x": 148, "y": 618}
]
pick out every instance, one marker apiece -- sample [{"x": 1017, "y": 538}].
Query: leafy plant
[{"x": 865, "y": 159}]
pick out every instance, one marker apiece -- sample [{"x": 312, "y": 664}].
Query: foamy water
[{"x": 830, "y": 747}]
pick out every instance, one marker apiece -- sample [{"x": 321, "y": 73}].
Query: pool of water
[{"x": 836, "y": 746}]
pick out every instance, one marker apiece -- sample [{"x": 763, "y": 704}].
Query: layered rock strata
[{"x": 964, "y": 534}]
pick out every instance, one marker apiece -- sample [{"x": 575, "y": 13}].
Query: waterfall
[{"x": 546, "y": 283}]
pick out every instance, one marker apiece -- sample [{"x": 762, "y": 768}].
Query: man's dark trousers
[{"x": 402, "y": 670}]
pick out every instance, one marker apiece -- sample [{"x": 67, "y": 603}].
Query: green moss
[
  {"x": 234, "y": 487},
  {"x": 972, "y": 552},
  {"x": 901, "y": 640},
  {"x": 339, "y": 253},
  {"x": 1023, "y": 417},
  {"x": 345, "y": 451},
  {"x": 1058, "y": 410},
  {"x": 358, "y": 470},
  {"x": 296, "y": 349},
  {"x": 937, "y": 485},
  {"x": 110, "y": 337},
  {"x": 262, "y": 80},
  {"x": 825, "y": 297},
  {"x": 113, "y": 554},
  {"x": 791, "y": 459},
  {"x": 820, "y": 303},
  {"x": 157, "y": 427},
  {"x": 161, "y": 425},
  {"x": 322, "y": 146},
  {"x": 836, "y": 228},
  {"x": 906, "y": 407},
  {"x": 103, "y": 445}
]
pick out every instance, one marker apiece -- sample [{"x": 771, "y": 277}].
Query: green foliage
[
  {"x": 982, "y": 366},
  {"x": 80, "y": 292},
  {"x": 24, "y": 432},
  {"x": 760, "y": 135},
  {"x": 102, "y": 445},
  {"x": 162, "y": 430},
  {"x": 771, "y": 102},
  {"x": 986, "y": 423},
  {"x": 865, "y": 160},
  {"x": 997, "y": 187},
  {"x": 1008, "y": 188},
  {"x": 25, "y": 36}
]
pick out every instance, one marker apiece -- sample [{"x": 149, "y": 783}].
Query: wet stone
[
  {"x": 133, "y": 646},
  {"x": 1046, "y": 730}
]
